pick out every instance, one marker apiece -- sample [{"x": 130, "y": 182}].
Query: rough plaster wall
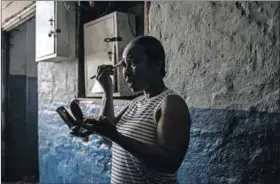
[
  {"x": 222, "y": 149},
  {"x": 223, "y": 58},
  {"x": 227, "y": 52},
  {"x": 57, "y": 81},
  {"x": 66, "y": 159},
  {"x": 62, "y": 158}
]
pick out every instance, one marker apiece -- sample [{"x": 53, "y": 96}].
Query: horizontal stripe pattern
[{"x": 138, "y": 122}]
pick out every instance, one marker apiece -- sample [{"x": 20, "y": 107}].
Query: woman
[{"x": 150, "y": 136}]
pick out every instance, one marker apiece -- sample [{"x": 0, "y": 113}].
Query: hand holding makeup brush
[
  {"x": 103, "y": 76},
  {"x": 115, "y": 66}
]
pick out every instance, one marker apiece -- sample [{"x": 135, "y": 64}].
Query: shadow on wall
[{"x": 226, "y": 146}]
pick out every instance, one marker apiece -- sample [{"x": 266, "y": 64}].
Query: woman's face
[{"x": 136, "y": 69}]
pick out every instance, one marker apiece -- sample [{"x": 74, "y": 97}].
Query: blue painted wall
[
  {"x": 226, "y": 146},
  {"x": 66, "y": 159}
]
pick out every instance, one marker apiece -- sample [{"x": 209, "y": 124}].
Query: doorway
[{"x": 20, "y": 102}]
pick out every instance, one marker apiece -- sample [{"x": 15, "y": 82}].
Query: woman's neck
[{"x": 154, "y": 89}]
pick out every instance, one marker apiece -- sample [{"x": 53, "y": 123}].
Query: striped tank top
[{"x": 138, "y": 122}]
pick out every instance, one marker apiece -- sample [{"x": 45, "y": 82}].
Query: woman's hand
[
  {"x": 103, "y": 77},
  {"x": 78, "y": 131},
  {"x": 102, "y": 127}
]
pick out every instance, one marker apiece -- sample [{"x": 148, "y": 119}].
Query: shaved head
[{"x": 152, "y": 48}]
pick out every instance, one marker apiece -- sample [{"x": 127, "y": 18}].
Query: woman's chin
[{"x": 134, "y": 89}]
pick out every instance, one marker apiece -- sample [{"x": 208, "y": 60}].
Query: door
[
  {"x": 97, "y": 51},
  {"x": 44, "y": 24},
  {"x": 21, "y": 132},
  {"x": 4, "y": 75}
]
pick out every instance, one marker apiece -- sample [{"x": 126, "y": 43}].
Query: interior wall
[{"x": 223, "y": 59}]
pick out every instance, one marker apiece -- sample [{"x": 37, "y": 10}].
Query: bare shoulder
[
  {"x": 175, "y": 104},
  {"x": 173, "y": 115},
  {"x": 174, "y": 99}
]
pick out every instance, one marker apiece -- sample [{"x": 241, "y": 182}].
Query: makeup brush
[{"x": 114, "y": 67}]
